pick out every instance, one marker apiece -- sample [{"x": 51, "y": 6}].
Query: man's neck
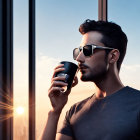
[{"x": 108, "y": 86}]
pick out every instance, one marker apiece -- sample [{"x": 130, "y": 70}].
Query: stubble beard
[
  {"x": 93, "y": 75},
  {"x": 94, "y": 78}
]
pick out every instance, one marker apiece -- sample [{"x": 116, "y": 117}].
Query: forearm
[{"x": 51, "y": 126}]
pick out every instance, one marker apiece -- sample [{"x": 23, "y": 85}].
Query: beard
[
  {"x": 95, "y": 74},
  {"x": 94, "y": 77}
]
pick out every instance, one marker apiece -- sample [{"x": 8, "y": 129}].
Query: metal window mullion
[
  {"x": 102, "y": 10},
  {"x": 6, "y": 68},
  {"x": 31, "y": 69}
]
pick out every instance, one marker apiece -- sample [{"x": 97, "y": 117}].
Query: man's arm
[
  {"x": 58, "y": 100},
  {"x": 51, "y": 127}
]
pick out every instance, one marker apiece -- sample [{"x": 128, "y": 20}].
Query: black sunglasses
[{"x": 88, "y": 50}]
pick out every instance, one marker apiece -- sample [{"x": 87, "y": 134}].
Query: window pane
[
  {"x": 56, "y": 36},
  {"x": 20, "y": 70},
  {"x": 126, "y": 14}
]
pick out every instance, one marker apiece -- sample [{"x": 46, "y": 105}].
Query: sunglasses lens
[
  {"x": 75, "y": 53},
  {"x": 87, "y": 50}
]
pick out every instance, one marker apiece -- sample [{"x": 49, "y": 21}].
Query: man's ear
[{"x": 113, "y": 56}]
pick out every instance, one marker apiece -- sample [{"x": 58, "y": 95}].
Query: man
[{"x": 113, "y": 112}]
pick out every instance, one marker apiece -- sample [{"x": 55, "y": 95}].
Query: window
[
  {"x": 20, "y": 69},
  {"x": 57, "y": 24},
  {"x": 126, "y": 14}
]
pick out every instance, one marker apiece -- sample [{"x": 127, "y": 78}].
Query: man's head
[
  {"x": 113, "y": 36},
  {"x": 105, "y": 34}
]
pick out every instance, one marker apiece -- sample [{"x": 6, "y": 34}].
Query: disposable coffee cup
[{"x": 69, "y": 72}]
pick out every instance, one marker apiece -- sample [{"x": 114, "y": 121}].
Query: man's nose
[{"x": 80, "y": 57}]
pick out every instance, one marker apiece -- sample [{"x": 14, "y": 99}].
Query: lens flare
[{"x": 6, "y": 105}]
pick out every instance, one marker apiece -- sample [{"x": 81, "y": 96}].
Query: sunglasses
[{"x": 88, "y": 50}]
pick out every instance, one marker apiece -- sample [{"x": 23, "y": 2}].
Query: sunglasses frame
[{"x": 93, "y": 47}]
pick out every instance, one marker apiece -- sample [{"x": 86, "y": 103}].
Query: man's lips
[{"x": 82, "y": 67}]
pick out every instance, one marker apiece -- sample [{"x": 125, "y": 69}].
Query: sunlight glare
[{"x": 20, "y": 110}]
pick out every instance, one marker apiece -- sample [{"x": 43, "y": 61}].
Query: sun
[{"x": 20, "y": 110}]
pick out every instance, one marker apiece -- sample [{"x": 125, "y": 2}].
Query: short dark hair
[{"x": 113, "y": 36}]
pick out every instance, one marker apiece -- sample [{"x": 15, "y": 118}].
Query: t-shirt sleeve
[{"x": 66, "y": 128}]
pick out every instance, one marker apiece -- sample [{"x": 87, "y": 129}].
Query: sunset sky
[{"x": 57, "y": 23}]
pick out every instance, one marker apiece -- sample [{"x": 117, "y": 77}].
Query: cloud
[
  {"x": 130, "y": 75},
  {"x": 131, "y": 68},
  {"x": 44, "y": 70}
]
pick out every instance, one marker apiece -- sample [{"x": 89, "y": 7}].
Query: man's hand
[{"x": 56, "y": 93}]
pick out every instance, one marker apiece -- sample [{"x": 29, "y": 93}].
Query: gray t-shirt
[{"x": 115, "y": 117}]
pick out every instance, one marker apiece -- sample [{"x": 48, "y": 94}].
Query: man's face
[{"x": 92, "y": 68}]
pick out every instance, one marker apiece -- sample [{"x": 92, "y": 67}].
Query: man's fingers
[
  {"x": 75, "y": 81},
  {"x": 59, "y": 66},
  {"x": 58, "y": 84},
  {"x": 59, "y": 78},
  {"x": 58, "y": 69},
  {"x": 54, "y": 91}
]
